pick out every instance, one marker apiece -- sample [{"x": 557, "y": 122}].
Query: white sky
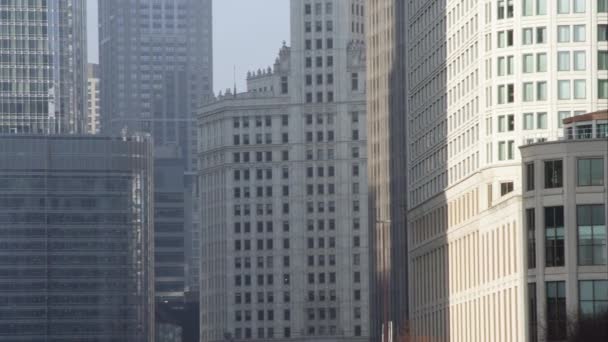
[{"x": 247, "y": 35}]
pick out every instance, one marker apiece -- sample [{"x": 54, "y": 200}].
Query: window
[
  {"x": 602, "y": 59},
  {"x": 593, "y": 298},
  {"x": 532, "y": 314},
  {"x": 528, "y": 7},
  {"x": 354, "y": 81},
  {"x": 553, "y": 174},
  {"x": 554, "y": 236},
  {"x": 563, "y": 61},
  {"x": 602, "y": 6},
  {"x": 563, "y": 33},
  {"x": 563, "y": 90},
  {"x": 541, "y": 62},
  {"x": 591, "y": 224},
  {"x": 500, "y": 14},
  {"x": 541, "y": 35},
  {"x": 556, "y": 310},
  {"x": 602, "y": 89},
  {"x": 527, "y": 36},
  {"x": 541, "y": 91},
  {"x": 578, "y": 33},
  {"x": 506, "y": 188},
  {"x": 531, "y": 232},
  {"x": 579, "y": 6},
  {"x": 529, "y": 176},
  {"x": 528, "y": 121},
  {"x": 602, "y": 33},
  {"x": 541, "y": 7},
  {"x": 561, "y": 115},
  {"x": 579, "y": 60},
  {"x": 590, "y": 172},
  {"x": 501, "y": 150},
  {"x": 528, "y": 63},
  {"x": 580, "y": 89},
  {"x": 528, "y": 94},
  {"x": 563, "y": 6},
  {"x": 541, "y": 120}
]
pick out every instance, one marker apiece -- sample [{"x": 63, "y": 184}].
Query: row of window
[
  {"x": 591, "y": 235},
  {"x": 261, "y": 280},
  {"x": 261, "y": 262},
  {"x": 589, "y": 172},
  {"x": 258, "y": 121},
  {"x": 245, "y": 209},
  {"x": 329, "y": 26},
  {"x": 329, "y": 44},
  {"x": 329, "y": 61},
  {"x": 593, "y": 301},
  {"x": 566, "y": 90},
  {"x": 267, "y": 156},
  {"x": 318, "y": 8},
  {"x": 245, "y": 227}
]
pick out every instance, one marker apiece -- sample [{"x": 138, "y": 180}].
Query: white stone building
[
  {"x": 92, "y": 121},
  {"x": 485, "y": 77},
  {"x": 283, "y": 183},
  {"x": 564, "y": 218}
]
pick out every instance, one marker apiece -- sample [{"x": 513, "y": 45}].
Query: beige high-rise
[{"x": 483, "y": 78}]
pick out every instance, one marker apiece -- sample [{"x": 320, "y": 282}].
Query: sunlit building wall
[{"x": 485, "y": 77}]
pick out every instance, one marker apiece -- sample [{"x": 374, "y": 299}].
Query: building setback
[
  {"x": 43, "y": 66},
  {"x": 484, "y": 78},
  {"x": 283, "y": 176},
  {"x": 76, "y": 239},
  {"x": 156, "y": 70},
  {"x": 386, "y": 127}
]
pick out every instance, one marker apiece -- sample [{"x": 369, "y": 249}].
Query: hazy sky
[{"x": 246, "y": 34}]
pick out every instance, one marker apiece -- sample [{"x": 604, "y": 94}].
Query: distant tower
[
  {"x": 53, "y": 52},
  {"x": 93, "y": 122},
  {"x": 283, "y": 179},
  {"x": 156, "y": 70}
]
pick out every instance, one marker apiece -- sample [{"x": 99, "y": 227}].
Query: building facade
[
  {"x": 43, "y": 66},
  {"x": 283, "y": 179},
  {"x": 386, "y": 127},
  {"x": 483, "y": 78},
  {"x": 76, "y": 239},
  {"x": 93, "y": 123},
  {"x": 564, "y": 218},
  {"x": 156, "y": 70}
]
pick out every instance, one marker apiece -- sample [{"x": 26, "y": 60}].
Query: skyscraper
[
  {"x": 43, "y": 59},
  {"x": 76, "y": 238},
  {"x": 93, "y": 97},
  {"x": 483, "y": 79},
  {"x": 386, "y": 127},
  {"x": 156, "y": 69},
  {"x": 283, "y": 176}
]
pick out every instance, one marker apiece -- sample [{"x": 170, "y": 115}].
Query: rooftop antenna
[{"x": 234, "y": 79}]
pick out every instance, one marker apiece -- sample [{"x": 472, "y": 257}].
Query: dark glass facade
[
  {"x": 76, "y": 239},
  {"x": 42, "y": 66}
]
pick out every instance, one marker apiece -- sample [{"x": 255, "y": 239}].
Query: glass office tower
[
  {"x": 42, "y": 66},
  {"x": 76, "y": 236}
]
